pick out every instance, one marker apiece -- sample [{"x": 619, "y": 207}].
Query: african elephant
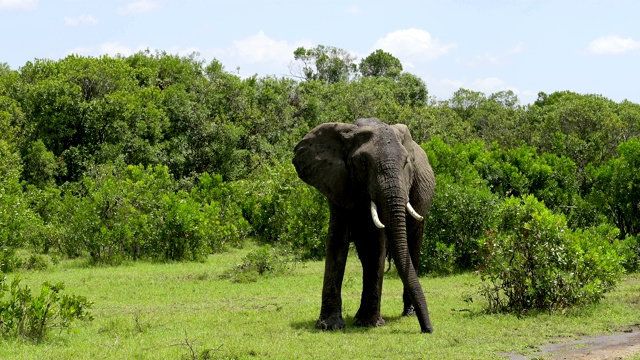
[{"x": 380, "y": 186}]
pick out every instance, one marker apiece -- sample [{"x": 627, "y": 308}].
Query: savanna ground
[{"x": 188, "y": 311}]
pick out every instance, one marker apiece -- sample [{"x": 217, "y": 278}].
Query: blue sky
[{"x": 527, "y": 46}]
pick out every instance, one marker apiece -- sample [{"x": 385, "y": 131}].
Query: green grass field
[{"x": 184, "y": 310}]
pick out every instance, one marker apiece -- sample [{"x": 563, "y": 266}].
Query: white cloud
[
  {"x": 490, "y": 85},
  {"x": 487, "y": 58},
  {"x": 454, "y": 84},
  {"x": 355, "y": 10},
  {"x": 18, "y": 5},
  {"x": 81, "y": 20},
  {"x": 612, "y": 45},
  {"x": 138, "y": 7},
  {"x": 258, "y": 49},
  {"x": 413, "y": 45},
  {"x": 518, "y": 49}
]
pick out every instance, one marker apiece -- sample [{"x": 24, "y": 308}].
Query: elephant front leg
[
  {"x": 337, "y": 249},
  {"x": 371, "y": 251}
]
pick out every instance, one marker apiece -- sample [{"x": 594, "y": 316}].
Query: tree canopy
[{"x": 191, "y": 157}]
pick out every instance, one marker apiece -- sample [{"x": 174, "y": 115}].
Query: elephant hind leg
[{"x": 408, "y": 310}]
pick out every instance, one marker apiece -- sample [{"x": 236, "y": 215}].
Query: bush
[
  {"x": 222, "y": 209},
  {"x": 285, "y": 211},
  {"x": 30, "y": 317},
  {"x": 182, "y": 232},
  {"x": 130, "y": 212},
  {"x": 534, "y": 261},
  {"x": 522, "y": 171},
  {"x": 262, "y": 261},
  {"x": 630, "y": 252},
  {"x": 463, "y": 208},
  {"x": 459, "y": 216},
  {"x": 616, "y": 188}
]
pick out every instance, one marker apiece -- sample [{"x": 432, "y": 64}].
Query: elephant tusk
[
  {"x": 414, "y": 213},
  {"x": 374, "y": 215}
]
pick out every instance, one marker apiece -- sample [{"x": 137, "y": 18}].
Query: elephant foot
[
  {"x": 374, "y": 321},
  {"x": 409, "y": 311},
  {"x": 330, "y": 323}
]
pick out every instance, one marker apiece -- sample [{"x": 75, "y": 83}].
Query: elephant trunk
[{"x": 396, "y": 231}]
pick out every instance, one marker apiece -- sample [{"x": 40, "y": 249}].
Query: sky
[{"x": 527, "y": 46}]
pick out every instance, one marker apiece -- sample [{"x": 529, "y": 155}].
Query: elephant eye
[{"x": 359, "y": 167}]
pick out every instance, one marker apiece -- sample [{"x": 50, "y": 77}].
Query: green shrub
[
  {"x": 122, "y": 212},
  {"x": 534, "y": 261},
  {"x": 282, "y": 210},
  {"x": 462, "y": 210},
  {"x": 459, "y": 217},
  {"x": 265, "y": 260},
  {"x": 182, "y": 232},
  {"x": 28, "y": 316},
  {"x": 8, "y": 259},
  {"x": 615, "y": 188},
  {"x": 222, "y": 210},
  {"x": 630, "y": 252},
  {"x": 522, "y": 171}
]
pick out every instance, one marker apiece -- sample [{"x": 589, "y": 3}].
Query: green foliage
[
  {"x": 327, "y": 64},
  {"x": 522, "y": 171},
  {"x": 494, "y": 118},
  {"x": 16, "y": 219},
  {"x": 532, "y": 261},
  {"x": 30, "y": 317},
  {"x": 629, "y": 250},
  {"x": 584, "y": 128},
  {"x": 616, "y": 188},
  {"x": 225, "y": 225},
  {"x": 380, "y": 63},
  {"x": 456, "y": 161},
  {"x": 463, "y": 209},
  {"x": 285, "y": 211},
  {"x": 459, "y": 217},
  {"x": 263, "y": 261},
  {"x": 40, "y": 165},
  {"x": 64, "y": 123},
  {"x": 131, "y": 212}
]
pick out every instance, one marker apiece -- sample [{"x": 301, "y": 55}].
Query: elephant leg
[
  {"x": 414, "y": 238},
  {"x": 337, "y": 249},
  {"x": 371, "y": 247}
]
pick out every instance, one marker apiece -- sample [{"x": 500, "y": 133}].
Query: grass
[{"x": 187, "y": 311}]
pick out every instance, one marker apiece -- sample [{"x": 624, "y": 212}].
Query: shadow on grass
[{"x": 310, "y": 325}]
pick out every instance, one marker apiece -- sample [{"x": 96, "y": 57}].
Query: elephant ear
[{"x": 320, "y": 160}]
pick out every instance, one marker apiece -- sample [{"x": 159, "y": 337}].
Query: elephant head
[{"x": 371, "y": 166}]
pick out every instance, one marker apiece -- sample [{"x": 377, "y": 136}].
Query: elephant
[{"x": 379, "y": 185}]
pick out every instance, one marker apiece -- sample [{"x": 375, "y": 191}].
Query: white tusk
[
  {"x": 374, "y": 215},
  {"x": 414, "y": 213}
]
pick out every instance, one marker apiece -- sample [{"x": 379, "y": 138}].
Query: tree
[
  {"x": 325, "y": 63},
  {"x": 584, "y": 128},
  {"x": 494, "y": 118},
  {"x": 616, "y": 188},
  {"x": 382, "y": 64}
]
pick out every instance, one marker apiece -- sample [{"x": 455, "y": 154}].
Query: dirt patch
[{"x": 621, "y": 345}]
